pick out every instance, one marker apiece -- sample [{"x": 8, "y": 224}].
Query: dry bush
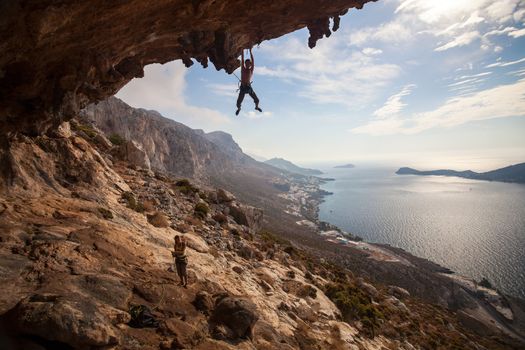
[
  {"x": 158, "y": 219},
  {"x": 193, "y": 221},
  {"x": 220, "y": 218},
  {"x": 183, "y": 227},
  {"x": 148, "y": 206}
]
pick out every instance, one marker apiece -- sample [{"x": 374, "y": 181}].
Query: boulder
[
  {"x": 369, "y": 289},
  {"x": 237, "y": 315},
  {"x": 248, "y": 252},
  {"x": 79, "y": 322},
  {"x": 133, "y": 153},
  {"x": 247, "y": 215},
  {"x": 398, "y": 292},
  {"x": 107, "y": 289},
  {"x": 196, "y": 243},
  {"x": 203, "y": 302},
  {"x": 224, "y": 196},
  {"x": 64, "y": 130}
]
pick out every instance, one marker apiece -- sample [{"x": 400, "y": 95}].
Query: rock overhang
[{"x": 59, "y": 56}]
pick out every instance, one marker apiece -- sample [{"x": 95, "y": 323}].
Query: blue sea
[{"x": 475, "y": 228}]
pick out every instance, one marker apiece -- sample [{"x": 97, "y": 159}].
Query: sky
[{"x": 421, "y": 83}]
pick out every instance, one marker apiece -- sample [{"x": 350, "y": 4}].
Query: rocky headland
[{"x": 513, "y": 173}]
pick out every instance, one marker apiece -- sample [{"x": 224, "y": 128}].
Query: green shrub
[
  {"x": 106, "y": 214},
  {"x": 116, "y": 139},
  {"x": 354, "y": 305},
  {"x": 132, "y": 203},
  {"x": 201, "y": 210},
  {"x": 185, "y": 187},
  {"x": 86, "y": 129},
  {"x": 269, "y": 237}
]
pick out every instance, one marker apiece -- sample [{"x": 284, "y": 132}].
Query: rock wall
[{"x": 59, "y": 56}]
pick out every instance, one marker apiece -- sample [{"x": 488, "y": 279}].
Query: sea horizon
[{"x": 472, "y": 227}]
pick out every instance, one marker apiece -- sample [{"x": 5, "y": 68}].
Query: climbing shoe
[
  {"x": 258, "y": 109},
  {"x": 237, "y": 111}
]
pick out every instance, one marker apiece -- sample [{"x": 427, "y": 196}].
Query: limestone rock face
[
  {"x": 169, "y": 145},
  {"x": 57, "y": 57},
  {"x": 133, "y": 153},
  {"x": 247, "y": 215}
]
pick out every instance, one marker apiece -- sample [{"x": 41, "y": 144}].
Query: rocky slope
[
  {"x": 58, "y": 57},
  {"x": 209, "y": 158},
  {"x": 290, "y": 203},
  {"x": 85, "y": 237}
]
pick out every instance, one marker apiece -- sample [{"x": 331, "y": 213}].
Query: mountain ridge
[
  {"x": 284, "y": 164},
  {"x": 512, "y": 173}
]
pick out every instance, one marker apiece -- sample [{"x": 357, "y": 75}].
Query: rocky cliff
[
  {"x": 170, "y": 146},
  {"x": 58, "y": 57},
  {"x": 85, "y": 245},
  {"x": 208, "y": 158}
]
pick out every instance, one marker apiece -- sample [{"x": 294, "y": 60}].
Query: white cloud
[
  {"x": 370, "y": 51},
  {"x": 517, "y": 33},
  {"x": 499, "y": 31},
  {"x": 497, "y": 102},
  {"x": 257, "y": 115},
  {"x": 393, "y": 32},
  {"x": 455, "y": 22},
  {"x": 483, "y": 74},
  {"x": 462, "y": 40},
  {"x": 330, "y": 73},
  {"x": 394, "y": 104},
  {"x": 229, "y": 90},
  {"x": 162, "y": 88},
  {"x": 466, "y": 81},
  {"x": 505, "y": 64}
]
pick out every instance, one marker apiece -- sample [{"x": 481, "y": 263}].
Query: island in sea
[
  {"x": 513, "y": 173},
  {"x": 345, "y": 166}
]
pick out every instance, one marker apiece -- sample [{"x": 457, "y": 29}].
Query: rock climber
[
  {"x": 181, "y": 261},
  {"x": 246, "y": 82}
]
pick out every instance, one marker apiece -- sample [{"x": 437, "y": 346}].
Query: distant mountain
[
  {"x": 284, "y": 164},
  {"x": 347, "y": 166},
  {"x": 257, "y": 157},
  {"x": 513, "y": 173}
]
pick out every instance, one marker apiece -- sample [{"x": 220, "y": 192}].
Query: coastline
[{"x": 487, "y": 306}]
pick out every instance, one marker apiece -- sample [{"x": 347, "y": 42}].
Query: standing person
[
  {"x": 181, "y": 261},
  {"x": 246, "y": 82}
]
